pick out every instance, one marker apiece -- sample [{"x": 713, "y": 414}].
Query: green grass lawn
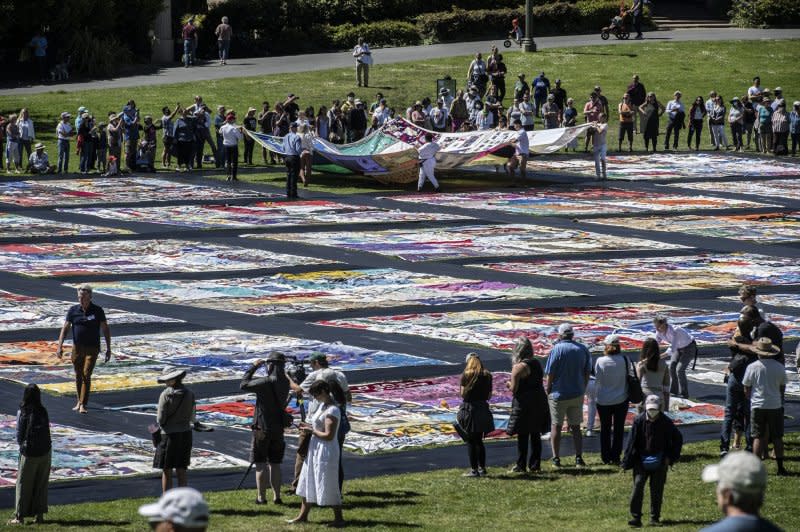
[
  {"x": 693, "y": 67},
  {"x": 593, "y": 499}
]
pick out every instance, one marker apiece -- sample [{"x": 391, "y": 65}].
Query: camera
[{"x": 296, "y": 368}]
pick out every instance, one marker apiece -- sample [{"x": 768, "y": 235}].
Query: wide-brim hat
[
  {"x": 765, "y": 348},
  {"x": 39, "y": 146},
  {"x": 169, "y": 373},
  {"x": 251, "y": 109}
]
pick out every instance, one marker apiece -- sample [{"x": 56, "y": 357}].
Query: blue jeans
[
  {"x": 224, "y": 48},
  {"x": 737, "y": 412},
  {"x": 188, "y": 52},
  {"x": 63, "y": 155},
  {"x": 86, "y": 156}
]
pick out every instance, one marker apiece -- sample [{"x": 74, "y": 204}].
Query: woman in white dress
[{"x": 319, "y": 478}]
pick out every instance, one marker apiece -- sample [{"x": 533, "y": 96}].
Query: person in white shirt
[
  {"x": 600, "y": 146},
  {"x": 682, "y": 350},
  {"x": 610, "y": 372},
  {"x": 526, "y": 112},
  {"x": 521, "y": 153},
  {"x": 26, "y": 132},
  {"x": 712, "y": 98},
  {"x": 438, "y": 117},
  {"x": 381, "y": 112},
  {"x": 676, "y": 116},
  {"x": 754, "y": 92},
  {"x": 231, "y": 135},
  {"x": 64, "y": 131},
  {"x": 39, "y": 163},
  {"x": 764, "y": 384},
  {"x": 427, "y": 158},
  {"x": 446, "y": 97},
  {"x": 363, "y": 57}
]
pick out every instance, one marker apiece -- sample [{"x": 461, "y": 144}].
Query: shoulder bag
[{"x": 635, "y": 394}]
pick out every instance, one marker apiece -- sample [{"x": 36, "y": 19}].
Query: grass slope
[{"x": 593, "y": 499}]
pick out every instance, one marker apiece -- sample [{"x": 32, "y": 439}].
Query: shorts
[
  {"x": 766, "y": 422},
  {"x": 174, "y": 451},
  {"x": 267, "y": 447},
  {"x": 571, "y": 408}
]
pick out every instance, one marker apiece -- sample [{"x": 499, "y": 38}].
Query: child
[
  {"x": 600, "y": 147},
  {"x": 570, "y": 117},
  {"x": 654, "y": 444},
  {"x": 112, "y": 168},
  {"x": 101, "y": 147}
]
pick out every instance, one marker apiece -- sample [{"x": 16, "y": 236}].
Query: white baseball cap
[
  {"x": 181, "y": 506},
  {"x": 565, "y": 328},
  {"x": 740, "y": 471},
  {"x": 611, "y": 339},
  {"x": 653, "y": 402}
]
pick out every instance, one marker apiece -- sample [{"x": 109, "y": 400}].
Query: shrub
[
  {"x": 97, "y": 55},
  {"x": 382, "y": 33},
  {"x": 764, "y": 13}
]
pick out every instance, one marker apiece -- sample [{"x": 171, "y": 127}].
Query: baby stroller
[{"x": 618, "y": 28}]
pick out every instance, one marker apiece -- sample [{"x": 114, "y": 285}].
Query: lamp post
[{"x": 528, "y": 44}]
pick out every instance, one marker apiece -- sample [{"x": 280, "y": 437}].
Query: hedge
[
  {"x": 382, "y": 33},
  {"x": 765, "y": 13},
  {"x": 585, "y": 16}
]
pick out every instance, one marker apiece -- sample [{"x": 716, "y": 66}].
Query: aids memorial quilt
[
  {"x": 777, "y": 300},
  {"x": 763, "y": 228},
  {"x": 669, "y": 166},
  {"x": 86, "y": 454},
  {"x": 206, "y": 355},
  {"x": 138, "y": 256},
  {"x": 668, "y": 273},
  {"x": 407, "y": 414},
  {"x": 323, "y": 291},
  {"x": 19, "y": 311},
  {"x": 499, "y": 329},
  {"x": 574, "y": 201},
  {"x": 15, "y": 226},
  {"x": 113, "y": 190},
  {"x": 262, "y": 214},
  {"x": 778, "y": 188},
  {"x": 471, "y": 241}
]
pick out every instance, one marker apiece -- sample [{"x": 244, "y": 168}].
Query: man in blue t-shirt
[
  {"x": 567, "y": 373},
  {"x": 39, "y": 45},
  {"x": 741, "y": 483},
  {"x": 86, "y": 320}
]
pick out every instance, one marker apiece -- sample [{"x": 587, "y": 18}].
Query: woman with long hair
[
  {"x": 612, "y": 399},
  {"x": 653, "y": 373},
  {"x": 319, "y": 478},
  {"x": 474, "y": 417},
  {"x": 530, "y": 415},
  {"x": 35, "y": 451}
]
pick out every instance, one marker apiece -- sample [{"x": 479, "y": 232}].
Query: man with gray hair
[
  {"x": 741, "y": 483},
  {"x": 567, "y": 373},
  {"x": 682, "y": 350},
  {"x": 86, "y": 320}
]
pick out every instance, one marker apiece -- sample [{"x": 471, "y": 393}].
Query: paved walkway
[{"x": 256, "y": 66}]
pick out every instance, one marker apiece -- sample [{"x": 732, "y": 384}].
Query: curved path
[{"x": 254, "y": 66}]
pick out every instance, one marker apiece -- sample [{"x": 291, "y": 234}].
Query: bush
[
  {"x": 382, "y": 33},
  {"x": 97, "y": 55},
  {"x": 764, "y": 13}
]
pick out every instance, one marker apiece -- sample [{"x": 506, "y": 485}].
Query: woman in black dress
[
  {"x": 474, "y": 417},
  {"x": 651, "y": 110},
  {"x": 530, "y": 415}
]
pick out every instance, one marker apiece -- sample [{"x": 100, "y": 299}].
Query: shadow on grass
[
  {"x": 379, "y": 503},
  {"x": 384, "y": 494},
  {"x": 618, "y": 54},
  {"x": 370, "y": 523},
  {"x": 244, "y": 513},
  {"x": 674, "y": 522},
  {"x": 86, "y": 522},
  {"x": 699, "y": 457}
]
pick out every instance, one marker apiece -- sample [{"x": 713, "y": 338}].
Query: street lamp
[{"x": 528, "y": 44}]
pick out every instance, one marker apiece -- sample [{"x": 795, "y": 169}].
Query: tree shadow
[
  {"x": 698, "y": 457},
  {"x": 379, "y": 503},
  {"x": 86, "y": 522},
  {"x": 586, "y": 471}
]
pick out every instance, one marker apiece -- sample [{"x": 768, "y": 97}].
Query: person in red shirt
[{"x": 189, "y": 34}]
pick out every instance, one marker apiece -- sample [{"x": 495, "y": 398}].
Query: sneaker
[
  {"x": 556, "y": 462},
  {"x": 589, "y": 433},
  {"x": 579, "y": 461},
  {"x": 635, "y": 522},
  {"x": 782, "y": 472},
  {"x": 472, "y": 473},
  {"x": 654, "y": 521},
  {"x": 516, "y": 469},
  {"x": 723, "y": 453},
  {"x": 482, "y": 472}
]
